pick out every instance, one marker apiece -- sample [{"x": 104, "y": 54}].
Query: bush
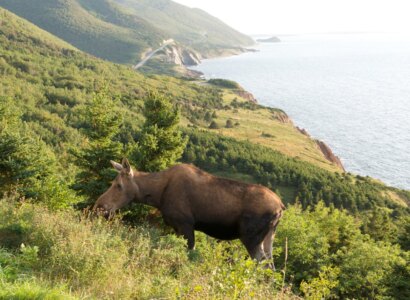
[
  {"x": 229, "y": 84},
  {"x": 214, "y": 125}
]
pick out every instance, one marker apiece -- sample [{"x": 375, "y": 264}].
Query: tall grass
[{"x": 94, "y": 259}]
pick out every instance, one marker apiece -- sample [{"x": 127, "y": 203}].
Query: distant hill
[
  {"x": 273, "y": 39},
  {"x": 120, "y": 30},
  {"x": 94, "y": 26},
  {"x": 190, "y": 26}
]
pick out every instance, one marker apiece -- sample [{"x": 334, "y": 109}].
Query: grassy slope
[
  {"x": 261, "y": 126},
  {"x": 9, "y": 23},
  {"x": 98, "y": 28},
  {"x": 193, "y": 27}
]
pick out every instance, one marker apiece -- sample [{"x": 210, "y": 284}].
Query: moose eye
[{"x": 119, "y": 185}]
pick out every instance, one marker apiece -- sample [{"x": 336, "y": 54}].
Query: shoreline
[
  {"x": 323, "y": 147},
  {"x": 347, "y": 157}
]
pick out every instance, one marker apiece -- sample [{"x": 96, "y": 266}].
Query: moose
[{"x": 190, "y": 199}]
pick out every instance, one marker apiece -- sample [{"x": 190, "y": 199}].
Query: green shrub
[
  {"x": 225, "y": 83},
  {"x": 214, "y": 125},
  {"x": 229, "y": 124}
]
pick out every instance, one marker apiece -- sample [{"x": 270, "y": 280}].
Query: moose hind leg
[{"x": 187, "y": 231}]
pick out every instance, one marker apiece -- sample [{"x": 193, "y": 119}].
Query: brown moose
[{"x": 191, "y": 199}]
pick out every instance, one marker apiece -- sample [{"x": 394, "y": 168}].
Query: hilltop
[{"x": 122, "y": 31}]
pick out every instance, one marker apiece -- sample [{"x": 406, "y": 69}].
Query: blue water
[{"x": 351, "y": 91}]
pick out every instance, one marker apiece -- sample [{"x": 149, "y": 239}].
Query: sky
[{"x": 309, "y": 16}]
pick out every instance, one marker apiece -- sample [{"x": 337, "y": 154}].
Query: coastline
[{"x": 326, "y": 151}]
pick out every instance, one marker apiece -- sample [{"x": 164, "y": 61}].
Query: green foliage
[
  {"x": 97, "y": 27},
  {"x": 121, "y": 31},
  {"x": 364, "y": 266},
  {"x": 378, "y": 223},
  {"x": 321, "y": 287},
  {"x": 24, "y": 159},
  {"x": 225, "y": 83},
  {"x": 214, "y": 125},
  {"x": 160, "y": 143},
  {"x": 329, "y": 257},
  {"x": 229, "y": 124},
  {"x": 102, "y": 125},
  {"x": 199, "y": 30}
]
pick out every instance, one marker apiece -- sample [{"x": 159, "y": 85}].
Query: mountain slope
[
  {"x": 121, "y": 31},
  {"x": 190, "y": 26},
  {"x": 98, "y": 27}
]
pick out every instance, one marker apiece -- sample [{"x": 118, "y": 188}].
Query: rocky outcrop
[
  {"x": 303, "y": 131},
  {"x": 328, "y": 153},
  {"x": 181, "y": 56},
  {"x": 246, "y": 95},
  {"x": 281, "y": 116}
]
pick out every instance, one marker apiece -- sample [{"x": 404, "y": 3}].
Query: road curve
[{"x": 151, "y": 54}]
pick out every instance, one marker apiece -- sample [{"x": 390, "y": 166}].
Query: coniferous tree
[
  {"x": 229, "y": 123},
  {"x": 213, "y": 125},
  {"x": 102, "y": 126},
  {"x": 25, "y": 160},
  {"x": 160, "y": 143}
]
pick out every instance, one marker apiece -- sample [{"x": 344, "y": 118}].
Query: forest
[{"x": 64, "y": 114}]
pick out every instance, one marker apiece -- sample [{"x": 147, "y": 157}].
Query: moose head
[{"x": 123, "y": 190}]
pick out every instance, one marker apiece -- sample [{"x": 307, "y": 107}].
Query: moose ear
[
  {"x": 127, "y": 167},
  {"x": 116, "y": 165}
]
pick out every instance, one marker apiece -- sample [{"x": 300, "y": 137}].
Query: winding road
[{"x": 152, "y": 53}]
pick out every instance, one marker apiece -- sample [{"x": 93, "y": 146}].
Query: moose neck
[{"x": 151, "y": 186}]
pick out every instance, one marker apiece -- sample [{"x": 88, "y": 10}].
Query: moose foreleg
[
  {"x": 268, "y": 240},
  {"x": 267, "y": 247},
  {"x": 257, "y": 253}
]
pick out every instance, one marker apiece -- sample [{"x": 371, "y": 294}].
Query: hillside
[
  {"x": 52, "y": 84},
  {"x": 190, "y": 26},
  {"x": 112, "y": 30},
  {"x": 96, "y": 27},
  {"x": 348, "y": 235}
]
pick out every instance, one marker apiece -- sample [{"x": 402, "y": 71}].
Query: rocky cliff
[
  {"x": 282, "y": 117},
  {"x": 325, "y": 149},
  {"x": 246, "y": 95},
  {"x": 180, "y": 56},
  {"x": 303, "y": 131},
  {"x": 328, "y": 153}
]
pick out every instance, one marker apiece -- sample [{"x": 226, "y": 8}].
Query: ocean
[{"x": 350, "y": 90}]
